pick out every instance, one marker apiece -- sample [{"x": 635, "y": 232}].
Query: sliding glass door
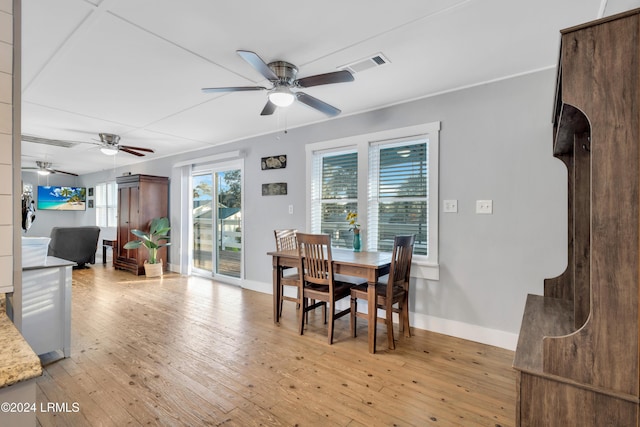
[{"x": 217, "y": 221}]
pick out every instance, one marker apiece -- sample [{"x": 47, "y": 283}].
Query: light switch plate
[
  {"x": 484, "y": 206},
  {"x": 450, "y": 206}
]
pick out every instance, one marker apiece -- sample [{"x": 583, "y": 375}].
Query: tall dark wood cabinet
[
  {"x": 577, "y": 357},
  {"x": 140, "y": 199}
]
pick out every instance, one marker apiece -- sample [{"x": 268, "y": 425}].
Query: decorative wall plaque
[
  {"x": 274, "y": 189},
  {"x": 274, "y": 162}
]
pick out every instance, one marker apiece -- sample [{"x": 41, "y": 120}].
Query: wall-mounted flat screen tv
[{"x": 58, "y": 198}]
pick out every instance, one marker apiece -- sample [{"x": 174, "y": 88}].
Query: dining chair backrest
[
  {"x": 287, "y": 276},
  {"x": 400, "y": 270},
  {"x": 315, "y": 258},
  {"x": 286, "y": 239}
]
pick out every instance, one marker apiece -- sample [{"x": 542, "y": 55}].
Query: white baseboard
[
  {"x": 454, "y": 328},
  {"x": 252, "y": 285},
  {"x": 467, "y": 331}
]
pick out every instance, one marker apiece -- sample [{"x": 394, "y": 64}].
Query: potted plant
[{"x": 153, "y": 240}]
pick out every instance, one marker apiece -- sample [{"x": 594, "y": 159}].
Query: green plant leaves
[{"x": 154, "y": 239}]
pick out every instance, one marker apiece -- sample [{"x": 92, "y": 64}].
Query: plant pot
[{"x": 153, "y": 270}]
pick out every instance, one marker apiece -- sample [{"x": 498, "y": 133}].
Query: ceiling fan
[
  {"x": 109, "y": 144},
  {"x": 282, "y": 76},
  {"x": 44, "y": 168}
]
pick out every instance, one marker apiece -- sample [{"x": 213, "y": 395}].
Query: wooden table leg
[
  {"x": 105, "y": 243},
  {"x": 276, "y": 291},
  {"x": 372, "y": 312}
]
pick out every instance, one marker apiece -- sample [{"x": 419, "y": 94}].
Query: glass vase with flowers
[{"x": 352, "y": 219}]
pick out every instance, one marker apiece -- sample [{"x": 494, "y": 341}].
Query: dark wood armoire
[
  {"x": 577, "y": 355},
  {"x": 140, "y": 199}
]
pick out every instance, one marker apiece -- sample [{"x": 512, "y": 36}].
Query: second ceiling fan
[
  {"x": 111, "y": 145},
  {"x": 282, "y": 76},
  {"x": 45, "y": 168}
]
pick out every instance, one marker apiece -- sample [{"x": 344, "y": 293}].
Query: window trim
[
  {"x": 375, "y": 200},
  {"x": 425, "y": 267}
]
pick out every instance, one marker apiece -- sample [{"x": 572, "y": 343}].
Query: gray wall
[
  {"x": 495, "y": 143},
  {"x": 45, "y": 220}
]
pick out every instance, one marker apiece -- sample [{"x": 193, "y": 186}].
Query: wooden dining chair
[
  {"x": 286, "y": 240},
  {"x": 395, "y": 290},
  {"x": 319, "y": 282}
]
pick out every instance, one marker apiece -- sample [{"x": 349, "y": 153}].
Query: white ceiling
[{"x": 135, "y": 68}]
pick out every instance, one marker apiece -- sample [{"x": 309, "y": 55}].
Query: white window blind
[
  {"x": 106, "y": 204},
  {"x": 334, "y": 190},
  {"x": 398, "y": 193}
]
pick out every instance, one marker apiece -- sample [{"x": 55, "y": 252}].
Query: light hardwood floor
[{"x": 181, "y": 351}]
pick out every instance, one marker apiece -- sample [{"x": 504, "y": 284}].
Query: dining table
[{"x": 368, "y": 265}]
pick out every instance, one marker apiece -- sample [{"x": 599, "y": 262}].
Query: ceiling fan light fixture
[
  {"x": 282, "y": 96},
  {"x": 43, "y": 172},
  {"x": 109, "y": 151}
]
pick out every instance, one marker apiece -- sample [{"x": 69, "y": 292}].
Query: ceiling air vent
[
  {"x": 364, "y": 64},
  {"x": 47, "y": 141}
]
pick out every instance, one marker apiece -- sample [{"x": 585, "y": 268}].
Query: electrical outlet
[
  {"x": 450, "y": 206},
  {"x": 484, "y": 206},
  {"x": 290, "y": 209}
]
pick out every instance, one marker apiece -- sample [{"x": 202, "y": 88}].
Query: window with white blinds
[
  {"x": 389, "y": 178},
  {"x": 398, "y": 184},
  {"x": 106, "y": 204},
  {"x": 334, "y": 194}
]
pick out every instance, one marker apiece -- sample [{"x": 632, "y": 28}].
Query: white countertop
[{"x": 50, "y": 262}]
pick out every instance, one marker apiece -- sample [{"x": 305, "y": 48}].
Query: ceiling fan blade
[
  {"x": 232, "y": 89},
  {"x": 135, "y": 153},
  {"x": 268, "y": 109},
  {"x": 342, "y": 76},
  {"x": 59, "y": 171},
  {"x": 256, "y": 62},
  {"x": 128, "y": 147},
  {"x": 322, "y": 106}
]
